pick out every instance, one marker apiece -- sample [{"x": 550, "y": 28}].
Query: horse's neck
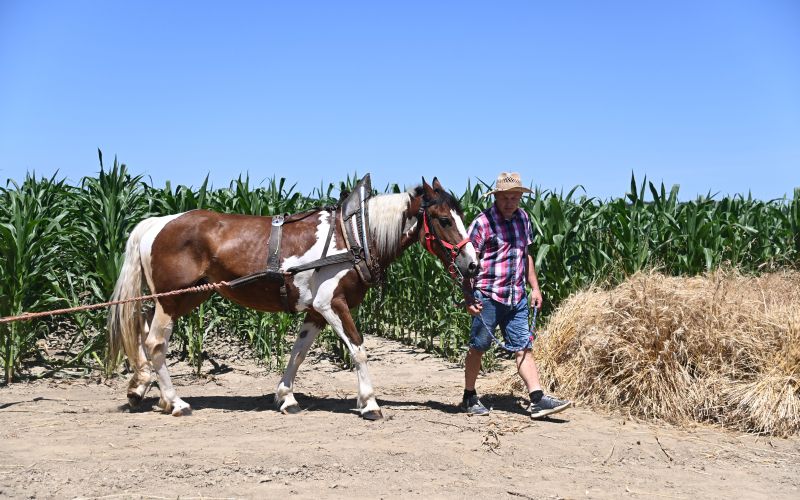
[
  {"x": 409, "y": 227},
  {"x": 409, "y": 237}
]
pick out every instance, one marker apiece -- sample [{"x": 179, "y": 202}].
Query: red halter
[{"x": 430, "y": 236}]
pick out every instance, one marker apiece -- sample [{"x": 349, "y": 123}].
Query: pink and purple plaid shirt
[{"x": 502, "y": 247}]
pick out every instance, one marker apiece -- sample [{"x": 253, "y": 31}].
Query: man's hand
[
  {"x": 535, "y": 299},
  {"x": 475, "y": 308}
]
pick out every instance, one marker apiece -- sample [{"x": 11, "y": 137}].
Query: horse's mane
[
  {"x": 386, "y": 221},
  {"x": 387, "y": 224}
]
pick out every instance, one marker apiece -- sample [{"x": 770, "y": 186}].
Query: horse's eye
[{"x": 445, "y": 221}]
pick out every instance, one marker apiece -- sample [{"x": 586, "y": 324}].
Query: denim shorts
[{"x": 512, "y": 320}]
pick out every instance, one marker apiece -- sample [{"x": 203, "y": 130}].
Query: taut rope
[{"x": 192, "y": 289}]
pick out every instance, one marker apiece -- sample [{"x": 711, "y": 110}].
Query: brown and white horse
[{"x": 196, "y": 247}]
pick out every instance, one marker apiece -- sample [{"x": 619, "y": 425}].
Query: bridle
[{"x": 430, "y": 236}]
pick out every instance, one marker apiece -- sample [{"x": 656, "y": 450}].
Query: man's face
[{"x": 507, "y": 202}]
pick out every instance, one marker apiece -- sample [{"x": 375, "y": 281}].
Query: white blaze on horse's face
[{"x": 467, "y": 260}]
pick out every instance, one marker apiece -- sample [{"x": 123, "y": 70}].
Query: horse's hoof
[
  {"x": 182, "y": 412},
  {"x": 291, "y": 410},
  {"x": 134, "y": 400},
  {"x": 372, "y": 415}
]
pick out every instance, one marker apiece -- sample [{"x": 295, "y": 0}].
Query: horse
[{"x": 198, "y": 247}]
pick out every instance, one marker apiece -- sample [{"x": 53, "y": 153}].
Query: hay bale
[
  {"x": 722, "y": 348},
  {"x": 770, "y": 401}
]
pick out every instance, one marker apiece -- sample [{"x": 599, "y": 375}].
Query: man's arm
[{"x": 533, "y": 281}]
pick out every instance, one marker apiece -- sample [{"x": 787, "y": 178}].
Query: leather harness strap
[
  {"x": 273, "y": 271},
  {"x": 331, "y": 225},
  {"x": 274, "y": 245},
  {"x": 351, "y": 256},
  {"x": 354, "y": 222}
]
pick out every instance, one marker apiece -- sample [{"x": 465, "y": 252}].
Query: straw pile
[{"x": 723, "y": 348}]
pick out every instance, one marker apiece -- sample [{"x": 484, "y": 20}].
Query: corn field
[{"x": 62, "y": 246}]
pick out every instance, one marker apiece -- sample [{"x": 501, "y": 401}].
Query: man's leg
[
  {"x": 526, "y": 366},
  {"x": 519, "y": 338},
  {"x": 517, "y": 335},
  {"x": 479, "y": 342},
  {"x": 542, "y": 405},
  {"x": 472, "y": 367}
]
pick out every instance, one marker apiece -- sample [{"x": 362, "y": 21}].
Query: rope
[{"x": 193, "y": 289}]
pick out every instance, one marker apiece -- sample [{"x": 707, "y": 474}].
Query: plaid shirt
[{"x": 502, "y": 250}]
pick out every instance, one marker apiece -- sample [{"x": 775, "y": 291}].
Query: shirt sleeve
[
  {"x": 477, "y": 235},
  {"x": 528, "y": 230}
]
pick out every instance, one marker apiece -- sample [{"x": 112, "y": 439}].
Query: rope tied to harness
[{"x": 206, "y": 287}]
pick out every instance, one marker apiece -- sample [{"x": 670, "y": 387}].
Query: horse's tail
[{"x": 126, "y": 321}]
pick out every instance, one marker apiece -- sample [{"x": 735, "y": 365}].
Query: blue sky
[{"x": 705, "y": 94}]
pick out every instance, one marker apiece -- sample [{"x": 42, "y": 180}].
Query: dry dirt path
[{"x": 66, "y": 439}]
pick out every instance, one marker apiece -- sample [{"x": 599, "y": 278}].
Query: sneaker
[
  {"x": 473, "y": 406},
  {"x": 547, "y": 406}
]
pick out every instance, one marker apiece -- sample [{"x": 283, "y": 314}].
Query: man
[{"x": 501, "y": 235}]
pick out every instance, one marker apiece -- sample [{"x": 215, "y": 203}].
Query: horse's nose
[{"x": 472, "y": 268}]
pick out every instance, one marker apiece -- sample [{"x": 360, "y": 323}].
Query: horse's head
[{"x": 443, "y": 232}]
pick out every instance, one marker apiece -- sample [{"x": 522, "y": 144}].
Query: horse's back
[
  {"x": 202, "y": 242},
  {"x": 226, "y": 246}
]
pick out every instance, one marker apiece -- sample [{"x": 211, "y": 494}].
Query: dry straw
[{"x": 722, "y": 348}]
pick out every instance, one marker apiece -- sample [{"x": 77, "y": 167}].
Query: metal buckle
[
  {"x": 356, "y": 251},
  {"x": 277, "y": 220}
]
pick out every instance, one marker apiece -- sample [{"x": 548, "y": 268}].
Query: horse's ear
[
  {"x": 437, "y": 186},
  {"x": 427, "y": 189}
]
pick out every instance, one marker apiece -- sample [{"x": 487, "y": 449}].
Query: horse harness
[{"x": 353, "y": 216}]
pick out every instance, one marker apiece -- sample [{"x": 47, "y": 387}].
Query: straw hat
[{"x": 508, "y": 181}]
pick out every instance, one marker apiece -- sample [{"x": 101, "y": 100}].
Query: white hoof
[
  {"x": 291, "y": 409},
  {"x": 372, "y": 415},
  {"x": 182, "y": 411},
  {"x": 371, "y": 405},
  {"x": 286, "y": 403},
  {"x": 177, "y": 409}
]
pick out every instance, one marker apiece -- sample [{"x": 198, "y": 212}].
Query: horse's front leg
[
  {"x": 284, "y": 395},
  {"x": 337, "y": 314}
]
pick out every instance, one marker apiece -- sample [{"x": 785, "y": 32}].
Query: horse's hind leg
[
  {"x": 156, "y": 347},
  {"x": 284, "y": 395},
  {"x": 142, "y": 377}
]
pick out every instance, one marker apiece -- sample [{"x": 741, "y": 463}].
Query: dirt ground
[{"x": 74, "y": 438}]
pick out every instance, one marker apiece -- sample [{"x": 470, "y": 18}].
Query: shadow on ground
[{"x": 497, "y": 402}]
